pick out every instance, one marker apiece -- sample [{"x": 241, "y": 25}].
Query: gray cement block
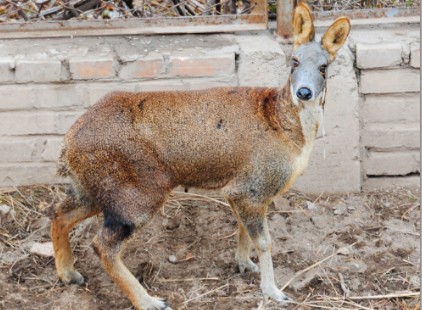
[
  {"x": 391, "y": 108},
  {"x": 262, "y": 61},
  {"x": 40, "y": 123},
  {"x": 38, "y": 70},
  {"x": 391, "y": 163},
  {"x": 369, "y": 56},
  {"x": 7, "y": 73},
  {"x": 50, "y": 149},
  {"x": 415, "y": 55},
  {"x": 390, "y": 81},
  {"x": 98, "y": 90},
  {"x": 50, "y": 96},
  {"x": 21, "y": 174},
  {"x": 14, "y": 150},
  {"x": 391, "y": 136},
  {"x": 29, "y": 149}
]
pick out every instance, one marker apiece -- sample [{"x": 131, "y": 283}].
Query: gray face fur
[{"x": 309, "y": 63}]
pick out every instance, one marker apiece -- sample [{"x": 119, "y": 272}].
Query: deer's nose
[{"x": 304, "y": 93}]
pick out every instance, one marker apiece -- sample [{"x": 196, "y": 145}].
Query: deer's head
[{"x": 310, "y": 58}]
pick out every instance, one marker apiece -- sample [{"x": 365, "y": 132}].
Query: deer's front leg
[{"x": 253, "y": 218}]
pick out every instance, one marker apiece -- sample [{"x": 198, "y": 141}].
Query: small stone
[
  {"x": 172, "y": 259},
  {"x": 42, "y": 249},
  {"x": 386, "y": 240},
  {"x": 338, "y": 211},
  {"x": 310, "y": 205},
  {"x": 170, "y": 224},
  {"x": 4, "y": 210},
  {"x": 386, "y": 205},
  {"x": 357, "y": 266},
  {"x": 344, "y": 251}
]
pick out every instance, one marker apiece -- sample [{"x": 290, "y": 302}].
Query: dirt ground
[{"x": 357, "y": 251}]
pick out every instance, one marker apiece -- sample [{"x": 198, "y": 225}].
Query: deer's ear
[
  {"x": 303, "y": 26},
  {"x": 335, "y": 36}
]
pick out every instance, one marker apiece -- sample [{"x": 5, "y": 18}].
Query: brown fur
[{"x": 129, "y": 150}]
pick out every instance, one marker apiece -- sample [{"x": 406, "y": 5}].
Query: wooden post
[
  {"x": 261, "y": 7},
  {"x": 284, "y": 30}
]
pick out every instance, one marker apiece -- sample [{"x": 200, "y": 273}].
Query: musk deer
[{"x": 129, "y": 150}]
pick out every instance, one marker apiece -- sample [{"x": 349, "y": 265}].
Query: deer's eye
[
  {"x": 323, "y": 70},
  {"x": 295, "y": 63}
]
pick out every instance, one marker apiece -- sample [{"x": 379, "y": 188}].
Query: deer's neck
[{"x": 308, "y": 117}]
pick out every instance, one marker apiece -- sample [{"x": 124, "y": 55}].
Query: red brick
[
  {"x": 142, "y": 68},
  {"x": 197, "y": 66},
  {"x": 91, "y": 68}
]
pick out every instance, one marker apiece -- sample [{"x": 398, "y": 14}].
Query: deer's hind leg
[
  {"x": 127, "y": 207},
  {"x": 67, "y": 214},
  {"x": 244, "y": 246}
]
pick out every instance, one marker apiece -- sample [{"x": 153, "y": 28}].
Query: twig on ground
[
  {"x": 416, "y": 205},
  {"x": 204, "y": 198},
  {"x": 314, "y": 265},
  {"x": 343, "y": 286},
  {"x": 206, "y": 293},
  {"x": 187, "y": 280},
  {"x": 386, "y": 296},
  {"x": 403, "y": 232}
]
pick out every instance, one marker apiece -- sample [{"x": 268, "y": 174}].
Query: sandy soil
[{"x": 358, "y": 251}]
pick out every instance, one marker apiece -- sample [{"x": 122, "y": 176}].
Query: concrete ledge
[
  {"x": 372, "y": 184},
  {"x": 398, "y": 163}
]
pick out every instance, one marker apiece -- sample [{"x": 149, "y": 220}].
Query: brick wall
[
  {"x": 47, "y": 84},
  {"x": 390, "y": 113}
]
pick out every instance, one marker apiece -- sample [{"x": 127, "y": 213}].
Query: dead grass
[{"x": 29, "y": 10}]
